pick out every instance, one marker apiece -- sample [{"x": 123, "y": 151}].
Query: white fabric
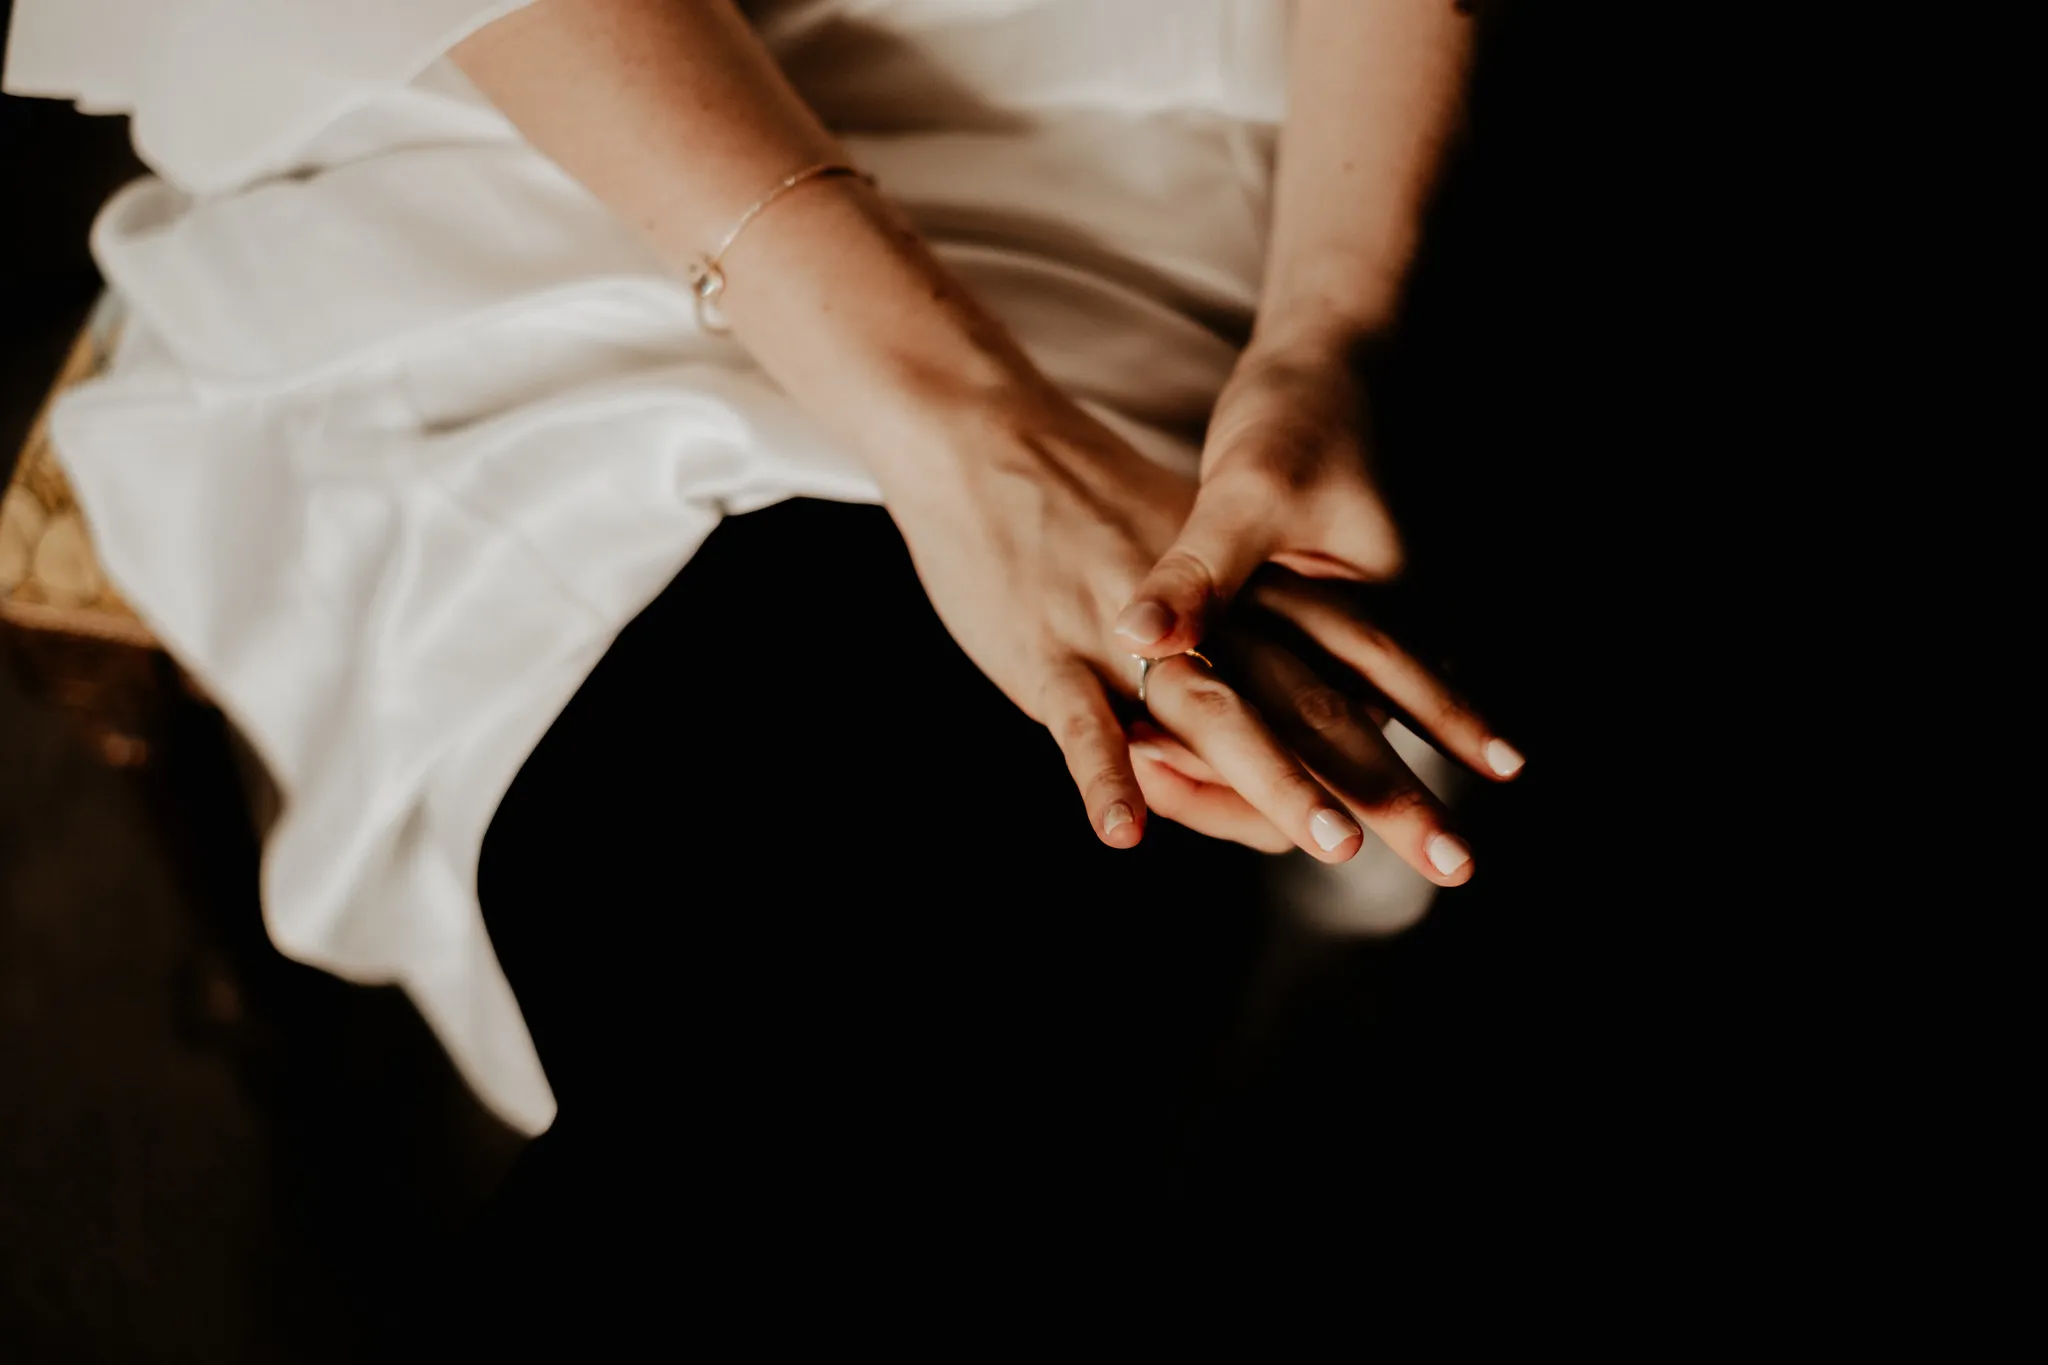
[{"x": 404, "y": 427}]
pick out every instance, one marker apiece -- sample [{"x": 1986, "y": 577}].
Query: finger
[
  {"x": 1341, "y": 745},
  {"x": 1220, "y": 726},
  {"x": 1206, "y": 808},
  {"x": 1150, "y": 742},
  {"x": 1400, "y": 677},
  {"x": 1228, "y": 535},
  {"x": 1078, "y": 713}
]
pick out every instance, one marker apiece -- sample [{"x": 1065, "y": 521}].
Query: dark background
[
  {"x": 206, "y": 1152},
  {"x": 209, "y": 1153}
]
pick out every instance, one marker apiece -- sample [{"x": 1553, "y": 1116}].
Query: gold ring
[{"x": 1145, "y": 667}]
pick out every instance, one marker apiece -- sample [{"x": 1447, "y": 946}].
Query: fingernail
[
  {"x": 1447, "y": 853},
  {"x": 1118, "y": 814},
  {"x": 1144, "y": 622},
  {"x": 1145, "y": 749},
  {"x": 1330, "y": 829},
  {"x": 1503, "y": 757}
]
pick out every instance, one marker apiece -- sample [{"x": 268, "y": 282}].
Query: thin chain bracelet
[{"x": 706, "y": 275}]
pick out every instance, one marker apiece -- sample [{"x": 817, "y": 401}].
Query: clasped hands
[{"x": 1055, "y": 553}]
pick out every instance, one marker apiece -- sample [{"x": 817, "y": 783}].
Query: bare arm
[
  {"x": 1287, "y": 475},
  {"x": 1373, "y": 93},
  {"x": 675, "y": 115}
]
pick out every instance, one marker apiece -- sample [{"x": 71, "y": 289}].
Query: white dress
[{"x": 404, "y": 427}]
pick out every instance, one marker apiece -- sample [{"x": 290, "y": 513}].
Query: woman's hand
[
  {"x": 1373, "y": 94},
  {"x": 1286, "y": 479},
  {"x": 1330, "y": 708}
]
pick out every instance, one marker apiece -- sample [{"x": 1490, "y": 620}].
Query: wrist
[
  {"x": 1316, "y": 334},
  {"x": 846, "y": 308}
]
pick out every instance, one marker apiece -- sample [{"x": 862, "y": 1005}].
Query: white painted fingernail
[
  {"x": 1116, "y": 815},
  {"x": 1141, "y": 748},
  {"x": 1330, "y": 829},
  {"x": 1502, "y": 757},
  {"x": 1447, "y": 853}
]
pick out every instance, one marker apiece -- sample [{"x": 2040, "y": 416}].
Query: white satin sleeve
[{"x": 225, "y": 91}]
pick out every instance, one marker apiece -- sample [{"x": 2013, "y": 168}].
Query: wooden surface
[
  {"x": 50, "y": 575},
  {"x": 74, "y": 640},
  {"x": 207, "y": 1153}
]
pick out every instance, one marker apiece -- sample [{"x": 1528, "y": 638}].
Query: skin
[
  {"x": 1286, "y": 475},
  {"x": 1030, "y": 523}
]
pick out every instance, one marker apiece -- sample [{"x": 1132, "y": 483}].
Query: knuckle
[
  {"x": 1297, "y": 787},
  {"x": 1203, "y": 696},
  {"x": 1103, "y": 779},
  {"x": 1292, "y": 477},
  {"x": 1408, "y": 801},
  {"x": 1457, "y": 720},
  {"x": 1447, "y": 704},
  {"x": 1371, "y": 638},
  {"x": 1075, "y": 731},
  {"x": 1322, "y": 708}
]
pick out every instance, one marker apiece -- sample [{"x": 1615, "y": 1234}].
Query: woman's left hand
[
  {"x": 1286, "y": 479},
  {"x": 1328, "y": 704}
]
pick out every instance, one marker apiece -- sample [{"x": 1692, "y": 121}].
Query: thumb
[{"x": 1225, "y": 540}]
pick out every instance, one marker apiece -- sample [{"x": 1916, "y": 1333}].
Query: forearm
[
  {"x": 677, "y": 118},
  {"x": 1374, "y": 88}
]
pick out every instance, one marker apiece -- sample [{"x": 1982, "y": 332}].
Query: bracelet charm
[{"x": 706, "y": 275}]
